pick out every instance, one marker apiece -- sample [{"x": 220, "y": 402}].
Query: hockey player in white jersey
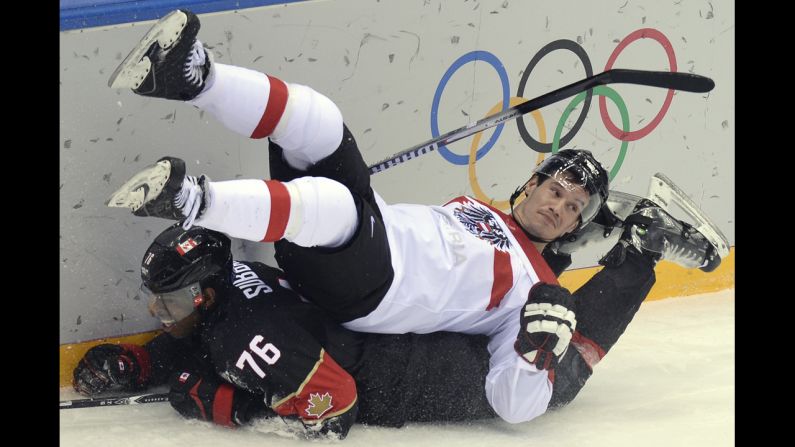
[{"x": 375, "y": 267}]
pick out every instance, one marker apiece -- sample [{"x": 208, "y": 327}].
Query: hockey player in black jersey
[{"x": 239, "y": 344}]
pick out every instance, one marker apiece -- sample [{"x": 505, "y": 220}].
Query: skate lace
[
  {"x": 194, "y": 65},
  {"x": 683, "y": 253},
  {"x": 676, "y": 251},
  {"x": 676, "y": 246},
  {"x": 189, "y": 200}
]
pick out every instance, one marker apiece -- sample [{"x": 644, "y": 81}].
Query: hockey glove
[
  {"x": 547, "y": 323},
  {"x": 109, "y": 367},
  {"x": 210, "y": 399}
]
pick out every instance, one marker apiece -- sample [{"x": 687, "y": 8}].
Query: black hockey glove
[
  {"x": 547, "y": 323},
  {"x": 210, "y": 399},
  {"x": 109, "y": 367}
]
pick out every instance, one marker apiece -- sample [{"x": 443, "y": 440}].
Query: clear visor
[
  {"x": 171, "y": 307},
  {"x": 572, "y": 179}
]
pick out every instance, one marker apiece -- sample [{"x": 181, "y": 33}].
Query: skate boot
[
  {"x": 650, "y": 230},
  {"x": 169, "y": 62},
  {"x": 163, "y": 190}
]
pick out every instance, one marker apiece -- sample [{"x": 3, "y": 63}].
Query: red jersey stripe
[
  {"x": 503, "y": 278},
  {"x": 588, "y": 349},
  {"x": 222, "y": 405},
  {"x": 327, "y": 391}
]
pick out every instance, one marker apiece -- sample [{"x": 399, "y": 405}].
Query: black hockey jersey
[{"x": 263, "y": 338}]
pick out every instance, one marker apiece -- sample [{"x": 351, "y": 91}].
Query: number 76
[{"x": 268, "y": 352}]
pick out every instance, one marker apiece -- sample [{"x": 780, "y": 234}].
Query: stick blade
[{"x": 687, "y": 82}]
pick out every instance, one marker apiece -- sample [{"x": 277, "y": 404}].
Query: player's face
[
  {"x": 176, "y": 309},
  {"x": 183, "y": 327},
  {"x": 550, "y": 209}
]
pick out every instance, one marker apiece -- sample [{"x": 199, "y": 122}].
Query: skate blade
[
  {"x": 621, "y": 203},
  {"x": 134, "y": 68},
  {"x": 141, "y": 188},
  {"x": 664, "y": 192}
]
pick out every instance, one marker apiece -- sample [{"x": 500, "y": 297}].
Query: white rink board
[{"x": 383, "y": 62}]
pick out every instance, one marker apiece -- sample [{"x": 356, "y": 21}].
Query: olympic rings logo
[{"x": 624, "y": 134}]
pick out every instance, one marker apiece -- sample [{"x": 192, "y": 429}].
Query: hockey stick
[
  {"x": 110, "y": 401},
  {"x": 664, "y": 79}
]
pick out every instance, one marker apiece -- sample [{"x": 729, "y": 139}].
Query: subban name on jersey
[{"x": 246, "y": 280}]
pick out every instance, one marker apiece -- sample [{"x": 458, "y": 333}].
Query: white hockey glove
[{"x": 547, "y": 322}]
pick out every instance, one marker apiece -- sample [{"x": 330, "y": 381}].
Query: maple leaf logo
[{"x": 318, "y": 405}]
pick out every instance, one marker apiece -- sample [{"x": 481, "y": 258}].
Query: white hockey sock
[
  {"x": 310, "y": 129},
  {"x": 247, "y": 102},
  {"x": 308, "y": 211},
  {"x": 306, "y": 124}
]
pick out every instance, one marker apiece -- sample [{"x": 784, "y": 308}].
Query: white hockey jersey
[{"x": 465, "y": 267}]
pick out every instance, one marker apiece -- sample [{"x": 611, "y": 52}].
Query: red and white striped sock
[
  {"x": 308, "y": 211},
  {"x": 303, "y": 122}
]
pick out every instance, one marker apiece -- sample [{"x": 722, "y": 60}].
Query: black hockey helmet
[
  {"x": 175, "y": 264},
  {"x": 575, "y": 168}
]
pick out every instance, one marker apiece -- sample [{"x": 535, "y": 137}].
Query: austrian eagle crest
[{"x": 480, "y": 222}]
